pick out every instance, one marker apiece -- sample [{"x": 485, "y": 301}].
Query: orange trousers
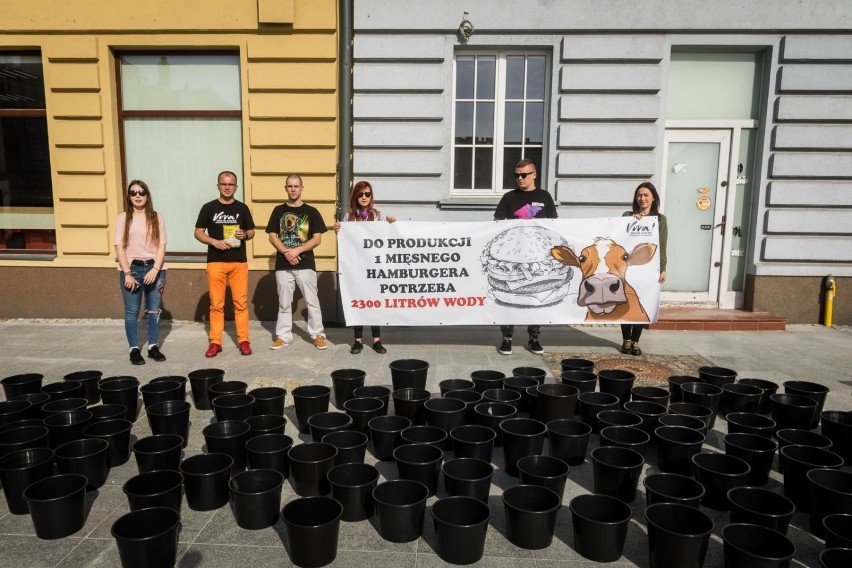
[{"x": 235, "y": 275}]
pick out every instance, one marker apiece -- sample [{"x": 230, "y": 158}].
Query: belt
[{"x": 148, "y": 262}]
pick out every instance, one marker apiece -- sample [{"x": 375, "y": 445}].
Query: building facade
[
  {"x": 738, "y": 112},
  {"x": 96, "y": 93}
]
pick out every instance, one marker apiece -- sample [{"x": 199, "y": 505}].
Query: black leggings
[
  {"x": 632, "y": 331},
  {"x": 359, "y": 331}
]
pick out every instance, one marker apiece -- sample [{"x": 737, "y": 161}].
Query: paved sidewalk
[{"x": 212, "y": 539}]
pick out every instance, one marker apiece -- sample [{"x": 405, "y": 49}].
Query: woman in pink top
[{"x": 140, "y": 243}]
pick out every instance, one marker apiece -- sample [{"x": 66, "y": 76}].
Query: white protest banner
[{"x": 539, "y": 271}]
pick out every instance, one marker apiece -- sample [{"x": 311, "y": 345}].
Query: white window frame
[{"x": 498, "y": 167}]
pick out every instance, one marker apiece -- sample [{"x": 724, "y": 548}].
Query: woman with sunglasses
[
  {"x": 140, "y": 244},
  {"x": 361, "y": 209},
  {"x": 646, "y": 201}
]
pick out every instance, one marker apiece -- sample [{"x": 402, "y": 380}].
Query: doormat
[{"x": 650, "y": 370}]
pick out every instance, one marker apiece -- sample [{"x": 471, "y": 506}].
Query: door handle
[
  {"x": 717, "y": 264},
  {"x": 722, "y": 223}
]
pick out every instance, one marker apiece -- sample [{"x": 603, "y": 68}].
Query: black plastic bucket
[
  {"x": 837, "y": 427},
  {"x": 617, "y": 382},
  {"x": 400, "y": 507},
  {"x": 696, "y": 410},
  {"x": 717, "y": 376},
  {"x": 147, "y": 537},
  {"x": 233, "y": 407},
  {"x": 835, "y": 558},
  {"x": 531, "y": 512},
  {"x": 680, "y": 420},
  {"x": 473, "y": 441},
  {"x": 591, "y": 403},
  {"x": 470, "y": 398},
  {"x": 269, "y": 451},
  {"x": 159, "y": 488},
  {"x": 103, "y": 412},
  {"x": 675, "y": 447},
  {"x": 88, "y": 457},
  {"x": 469, "y": 477},
  {"x": 170, "y": 417},
  {"x": 161, "y": 391},
  {"x": 408, "y": 402},
  {"x": 313, "y": 527},
  {"x": 205, "y": 480},
  {"x": 737, "y": 397},
  {"x": 255, "y": 498},
  {"x": 576, "y": 365},
  {"x": 161, "y": 451},
  {"x": 461, "y": 524},
  {"x": 377, "y": 392},
  {"x": 224, "y": 388},
  {"x": 672, "y": 488},
  {"x": 583, "y": 381},
  {"x": 344, "y": 382},
  {"x": 600, "y": 526},
  {"x": 180, "y": 379},
  {"x": 352, "y": 485},
  {"x": 445, "y": 413},
  {"x": 838, "y": 530},
  {"x": 230, "y": 438},
  {"x": 324, "y": 423},
  {"x": 536, "y": 373},
  {"x": 491, "y": 414},
  {"x": 616, "y": 472},
  {"x": 754, "y": 546},
  {"x": 719, "y": 473},
  {"x": 608, "y": 418},
  {"x": 16, "y": 385},
  {"x": 556, "y": 401},
  {"x": 22, "y": 438},
  {"x": 486, "y": 379},
  {"x": 757, "y": 451},
  {"x": 832, "y": 493},
  {"x": 419, "y": 462},
  {"x": 57, "y": 505},
  {"x": 262, "y": 424},
  {"x": 520, "y": 386},
  {"x": 808, "y": 389},
  {"x": 64, "y": 405},
  {"x": 794, "y": 437},
  {"x": 200, "y": 381},
  {"x": 768, "y": 387},
  {"x": 568, "y": 440},
  {"x": 408, "y": 373},
  {"x": 798, "y": 461},
  {"x": 678, "y": 535},
  {"x": 703, "y": 394},
  {"x": 625, "y": 437},
  {"x": 793, "y": 411},
  {"x": 20, "y": 469},
  {"x": 675, "y": 382},
  {"x": 309, "y": 464},
  {"x": 121, "y": 390},
  {"x": 521, "y": 437},
  {"x": 431, "y": 435},
  {"x": 268, "y": 400},
  {"x": 351, "y": 445},
  {"x": 385, "y": 434},
  {"x": 760, "y": 506},
  {"x": 36, "y": 401},
  {"x": 750, "y": 423},
  {"x": 650, "y": 394},
  {"x": 362, "y": 410},
  {"x": 65, "y": 389},
  {"x": 117, "y": 433},
  {"x": 650, "y": 413},
  {"x": 448, "y": 385},
  {"x": 546, "y": 471}
]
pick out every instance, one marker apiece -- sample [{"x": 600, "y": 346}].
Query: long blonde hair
[{"x": 150, "y": 215}]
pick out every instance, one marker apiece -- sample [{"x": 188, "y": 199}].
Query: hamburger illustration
[{"x": 520, "y": 269}]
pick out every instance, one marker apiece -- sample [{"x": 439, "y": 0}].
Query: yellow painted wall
[{"x": 288, "y": 55}]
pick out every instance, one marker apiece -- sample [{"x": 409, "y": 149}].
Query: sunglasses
[
  {"x": 137, "y": 192},
  {"x": 523, "y": 175},
  {"x": 365, "y": 194}
]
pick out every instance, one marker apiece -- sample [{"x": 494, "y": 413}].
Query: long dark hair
[
  {"x": 355, "y": 212},
  {"x": 150, "y": 215},
  {"x": 655, "y": 206}
]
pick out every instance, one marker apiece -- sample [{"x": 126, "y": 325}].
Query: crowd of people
[{"x": 295, "y": 229}]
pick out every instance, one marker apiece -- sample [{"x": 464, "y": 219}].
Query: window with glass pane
[
  {"x": 181, "y": 126},
  {"x": 26, "y": 191},
  {"x": 499, "y": 110}
]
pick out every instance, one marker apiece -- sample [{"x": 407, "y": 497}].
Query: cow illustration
[{"x": 604, "y": 289}]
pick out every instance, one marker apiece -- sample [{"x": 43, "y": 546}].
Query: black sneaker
[
  {"x": 357, "y": 347},
  {"x": 136, "y": 356},
  {"x": 154, "y": 353},
  {"x": 505, "y": 347},
  {"x": 535, "y": 346},
  {"x": 379, "y": 348}
]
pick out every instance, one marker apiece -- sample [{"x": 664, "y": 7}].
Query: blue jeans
[{"x": 133, "y": 303}]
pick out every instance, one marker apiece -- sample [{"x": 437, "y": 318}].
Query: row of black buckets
[{"x": 472, "y": 417}]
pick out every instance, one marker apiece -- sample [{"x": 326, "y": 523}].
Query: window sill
[
  {"x": 469, "y": 203},
  {"x": 47, "y": 257}
]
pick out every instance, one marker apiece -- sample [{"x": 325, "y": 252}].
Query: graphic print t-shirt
[
  {"x": 518, "y": 204},
  {"x": 294, "y": 227},
  {"x": 214, "y": 217}
]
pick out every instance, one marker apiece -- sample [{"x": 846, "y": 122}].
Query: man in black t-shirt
[
  {"x": 295, "y": 229},
  {"x": 224, "y": 225},
  {"x": 526, "y": 202}
]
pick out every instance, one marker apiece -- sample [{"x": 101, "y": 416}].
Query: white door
[{"x": 693, "y": 196}]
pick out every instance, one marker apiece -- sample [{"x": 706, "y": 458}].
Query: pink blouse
[{"x": 139, "y": 243}]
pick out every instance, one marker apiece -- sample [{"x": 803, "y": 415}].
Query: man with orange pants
[{"x": 225, "y": 225}]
